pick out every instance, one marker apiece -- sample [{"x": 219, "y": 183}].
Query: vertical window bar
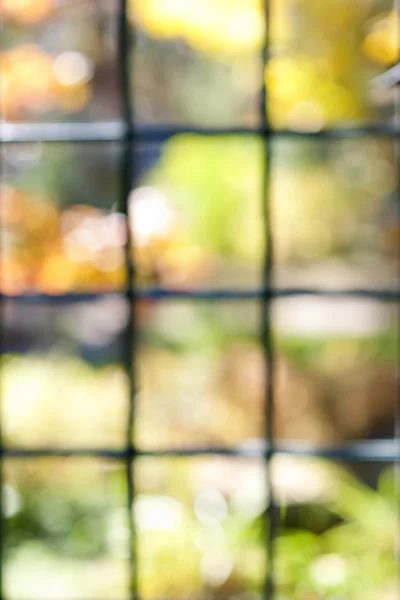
[
  {"x": 125, "y": 43},
  {"x": 397, "y": 159},
  {"x": 266, "y": 333},
  {"x": 2, "y": 519}
]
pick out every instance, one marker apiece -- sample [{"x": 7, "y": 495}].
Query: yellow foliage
[
  {"x": 28, "y": 391},
  {"x": 305, "y": 94},
  {"x": 55, "y": 251},
  {"x": 311, "y": 91},
  {"x": 27, "y": 12},
  {"x": 73, "y": 98},
  {"x": 29, "y": 83},
  {"x": 224, "y": 26},
  {"x": 382, "y": 44},
  {"x": 26, "y": 74}
]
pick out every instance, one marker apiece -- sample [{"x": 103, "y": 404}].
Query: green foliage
[
  {"x": 347, "y": 549},
  {"x": 216, "y": 185},
  {"x": 305, "y": 352}
]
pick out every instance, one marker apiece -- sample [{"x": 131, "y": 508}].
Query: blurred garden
[{"x": 196, "y": 218}]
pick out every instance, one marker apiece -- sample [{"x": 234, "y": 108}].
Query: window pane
[
  {"x": 61, "y": 226},
  {"x": 63, "y": 382},
  {"x": 67, "y": 532},
  {"x": 325, "y": 57},
  {"x": 197, "y": 213},
  {"x": 336, "y": 369},
  {"x": 200, "y": 529},
  {"x": 59, "y": 61},
  {"x": 338, "y": 529},
  {"x": 200, "y": 374},
  {"x": 335, "y": 219},
  {"x": 197, "y": 62}
]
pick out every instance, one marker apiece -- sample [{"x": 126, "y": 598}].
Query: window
[{"x": 199, "y": 300}]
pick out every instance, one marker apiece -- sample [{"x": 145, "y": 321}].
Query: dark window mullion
[
  {"x": 125, "y": 45},
  {"x": 266, "y": 325},
  {"x": 397, "y": 158}
]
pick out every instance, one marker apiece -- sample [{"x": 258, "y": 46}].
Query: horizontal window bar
[
  {"x": 234, "y": 295},
  {"x": 106, "y": 131},
  {"x": 110, "y": 131},
  {"x": 369, "y": 451}
]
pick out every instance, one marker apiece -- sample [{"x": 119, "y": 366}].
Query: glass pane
[
  {"x": 336, "y": 369},
  {"x": 325, "y": 58},
  {"x": 338, "y": 531},
  {"x": 197, "y": 213},
  {"x": 197, "y": 62},
  {"x": 59, "y": 61},
  {"x": 200, "y": 528},
  {"x": 62, "y": 377},
  {"x": 200, "y": 374},
  {"x": 336, "y": 222},
  {"x": 61, "y": 229},
  {"x": 67, "y": 534}
]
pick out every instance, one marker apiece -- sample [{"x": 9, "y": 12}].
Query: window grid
[{"x": 129, "y": 134}]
